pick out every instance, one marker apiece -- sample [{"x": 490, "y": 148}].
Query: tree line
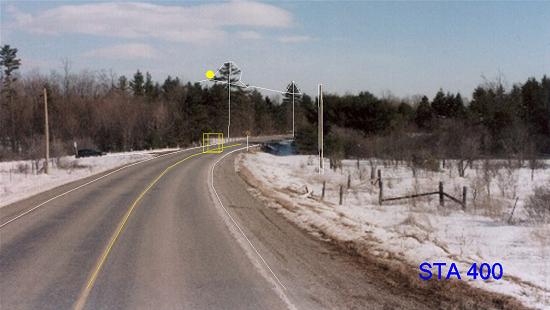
[
  {"x": 116, "y": 113},
  {"x": 497, "y": 122},
  {"x": 119, "y": 113}
]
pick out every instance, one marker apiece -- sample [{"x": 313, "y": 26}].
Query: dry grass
[
  {"x": 538, "y": 204},
  {"x": 392, "y": 273},
  {"x": 70, "y": 164},
  {"x": 401, "y": 277}
]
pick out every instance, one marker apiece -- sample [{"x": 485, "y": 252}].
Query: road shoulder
[{"x": 325, "y": 273}]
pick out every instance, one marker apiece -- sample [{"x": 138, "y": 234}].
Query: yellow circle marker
[{"x": 210, "y": 74}]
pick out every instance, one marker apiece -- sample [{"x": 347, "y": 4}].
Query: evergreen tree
[
  {"x": 149, "y": 86},
  {"x": 122, "y": 83},
  {"x": 170, "y": 86},
  {"x": 292, "y": 88},
  {"x": 457, "y": 108},
  {"x": 137, "y": 84},
  {"x": 9, "y": 63},
  {"x": 481, "y": 105},
  {"x": 228, "y": 72},
  {"x": 424, "y": 114},
  {"x": 292, "y": 93},
  {"x": 439, "y": 104},
  {"x": 535, "y": 99},
  {"x": 405, "y": 110},
  {"x": 230, "y": 75}
]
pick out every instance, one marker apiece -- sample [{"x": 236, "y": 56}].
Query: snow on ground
[
  {"x": 19, "y": 179},
  {"x": 419, "y": 230}
]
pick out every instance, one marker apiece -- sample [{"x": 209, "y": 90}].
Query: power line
[{"x": 242, "y": 85}]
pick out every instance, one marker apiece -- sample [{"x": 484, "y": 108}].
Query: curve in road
[{"x": 173, "y": 252}]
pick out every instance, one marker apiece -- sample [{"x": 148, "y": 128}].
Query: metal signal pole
[{"x": 46, "y": 130}]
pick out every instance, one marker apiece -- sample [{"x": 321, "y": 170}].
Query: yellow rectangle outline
[{"x": 206, "y": 143}]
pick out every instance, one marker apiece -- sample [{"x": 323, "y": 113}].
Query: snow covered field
[
  {"x": 418, "y": 230},
  {"x": 18, "y": 179}
]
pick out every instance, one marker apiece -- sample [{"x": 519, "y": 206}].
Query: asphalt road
[
  {"x": 110, "y": 245},
  {"x": 174, "y": 251}
]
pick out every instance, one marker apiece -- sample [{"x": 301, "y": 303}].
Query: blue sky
[{"x": 407, "y": 48}]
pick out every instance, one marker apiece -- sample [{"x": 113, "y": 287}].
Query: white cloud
[
  {"x": 192, "y": 24},
  {"x": 294, "y": 39},
  {"x": 124, "y": 51},
  {"x": 19, "y": 16},
  {"x": 249, "y": 35}
]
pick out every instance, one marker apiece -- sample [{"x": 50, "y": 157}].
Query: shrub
[
  {"x": 22, "y": 168},
  {"x": 538, "y": 204}
]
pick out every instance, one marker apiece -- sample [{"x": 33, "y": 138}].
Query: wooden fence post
[
  {"x": 441, "y": 197},
  {"x": 380, "y": 187},
  {"x": 464, "y": 196},
  {"x": 341, "y": 193},
  {"x": 323, "y": 191}
]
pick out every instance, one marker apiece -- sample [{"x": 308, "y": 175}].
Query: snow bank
[
  {"x": 419, "y": 230},
  {"x": 18, "y": 179}
]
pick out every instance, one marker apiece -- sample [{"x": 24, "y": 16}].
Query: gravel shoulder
[{"x": 322, "y": 273}]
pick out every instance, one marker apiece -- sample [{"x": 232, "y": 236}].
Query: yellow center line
[
  {"x": 81, "y": 301},
  {"x": 232, "y": 145}
]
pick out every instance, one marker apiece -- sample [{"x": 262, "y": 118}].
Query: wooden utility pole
[
  {"x": 380, "y": 187},
  {"x": 46, "y": 131},
  {"x": 320, "y": 129},
  {"x": 441, "y": 195},
  {"x": 293, "y": 88},
  {"x": 229, "y": 99}
]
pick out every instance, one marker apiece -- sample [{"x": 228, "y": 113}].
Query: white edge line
[
  {"x": 233, "y": 220},
  {"x": 90, "y": 182}
]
